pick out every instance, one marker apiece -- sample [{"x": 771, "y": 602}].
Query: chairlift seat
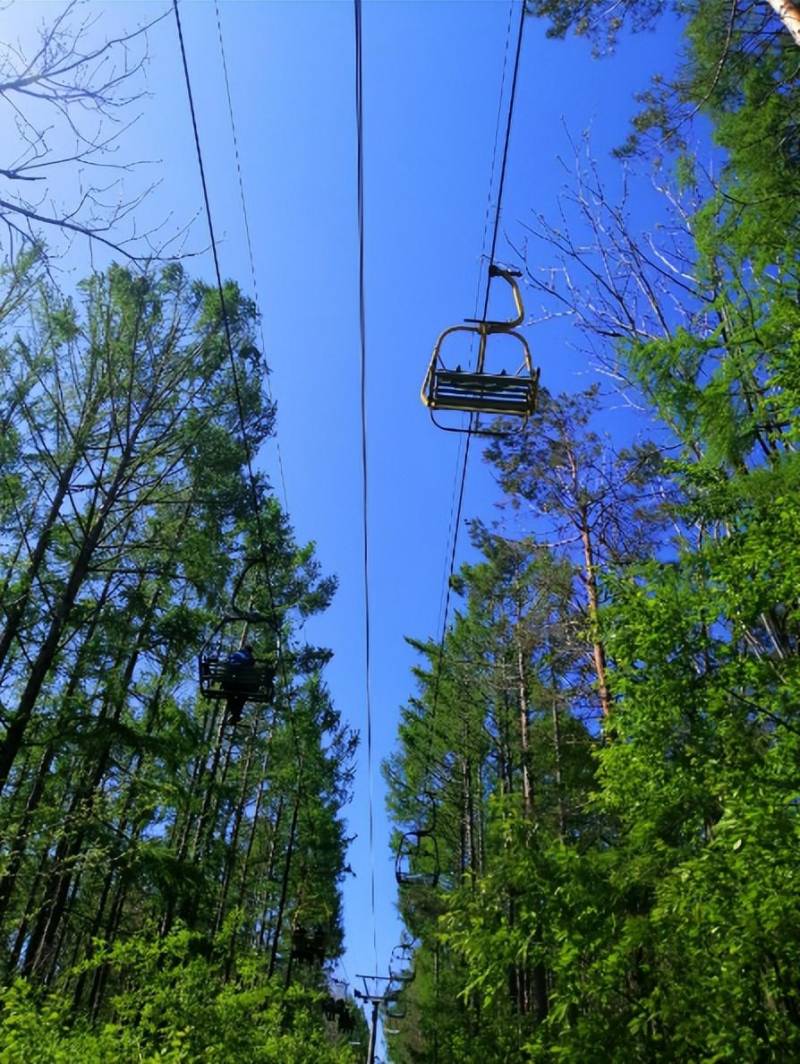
[
  {"x": 489, "y": 393},
  {"x": 395, "y": 1010}
]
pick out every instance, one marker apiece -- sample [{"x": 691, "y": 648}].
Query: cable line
[
  {"x": 507, "y": 141},
  {"x": 494, "y": 149},
  {"x": 300, "y": 789},
  {"x": 248, "y": 238},
  {"x": 458, "y": 490},
  {"x": 359, "y": 102},
  {"x": 251, "y": 256},
  {"x": 256, "y": 507},
  {"x": 473, "y": 416}
]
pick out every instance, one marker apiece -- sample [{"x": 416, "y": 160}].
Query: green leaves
[{"x": 177, "y": 1009}]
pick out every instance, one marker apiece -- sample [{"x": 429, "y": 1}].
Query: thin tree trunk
[
  {"x": 16, "y": 610},
  {"x": 473, "y": 847},
  {"x": 593, "y": 602},
  {"x": 47, "y": 931},
  {"x": 270, "y": 872},
  {"x": 101, "y": 974},
  {"x": 562, "y": 824},
  {"x": 8, "y": 879},
  {"x": 287, "y": 867},
  {"x": 183, "y": 845},
  {"x": 238, "y": 816},
  {"x": 522, "y": 695},
  {"x": 10, "y": 746},
  {"x": 262, "y": 787}
]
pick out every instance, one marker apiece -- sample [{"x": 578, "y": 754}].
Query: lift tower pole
[
  {"x": 378, "y": 990},
  {"x": 373, "y": 1033}
]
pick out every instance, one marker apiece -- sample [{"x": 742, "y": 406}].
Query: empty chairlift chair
[
  {"x": 417, "y": 857},
  {"x": 401, "y": 965},
  {"x": 478, "y": 391},
  {"x": 417, "y": 860},
  {"x": 394, "y": 1009}
]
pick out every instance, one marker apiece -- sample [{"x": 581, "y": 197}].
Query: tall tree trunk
[
  {"x": 46, "y": 934},
  {"x": 16, "y": 610},
  {"x": 182, "y": 849},
  {"x": 593, "y": 603},
  {"x": 789, "y": 14},
  {"x": 522, "y": 696},
  {"x": 100, "y": 979},
  {"x": 262, "y": 788},
  {"x": 562, "y": 824},
  {"x": 8, "y": 879},
  {"x": 233, "y": 843},
  {"x": 12, "y": 742}
]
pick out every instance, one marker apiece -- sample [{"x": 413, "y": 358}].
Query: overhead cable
[
  {"x": 256, "y": 506},
  {"x": 248, "y": 238},
  {"x": 473, "y": 417},
  {"x": 362, "y": 317}
]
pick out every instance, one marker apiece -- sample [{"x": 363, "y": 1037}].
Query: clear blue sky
[{"x": 431, "y": 81}]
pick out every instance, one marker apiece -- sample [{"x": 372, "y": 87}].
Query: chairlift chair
[
  {"x": 221, "y": 679},
  {"x": 345, "y": 1019},
  {"x": 477, "y": 391},
  {"x": 401, "y": 964},
  {"x": 309, "y": 944},
  {"x": 338, "y": 1011},
  {"x": 393, "y": 1009},
  {"x": 417, "y": 859}
]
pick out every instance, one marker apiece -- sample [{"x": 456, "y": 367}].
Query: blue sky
[{"x": 432, "y": 73}]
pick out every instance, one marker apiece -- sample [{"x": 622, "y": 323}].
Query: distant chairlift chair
[
  {"x": 417, "y": 859},
  {"x": 478, "y": 392},
  {"x": 401, "y": 965},
  {"x": 221, "y": 679}
]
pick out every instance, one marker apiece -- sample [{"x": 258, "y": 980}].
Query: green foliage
[
  {"x": 129, "y": 805},
  {"x": 626, "y": 890},
  {"x": 175, "y": 1007},
  {"x": 595, "y": 19}
]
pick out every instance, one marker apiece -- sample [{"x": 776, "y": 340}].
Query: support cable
[
  {"x": 359, "y": 102},
  {"x": 234, "y": 371},
  {"x": 487, "y": 214},
  {"x": 473, "y": 416},
  {"x": 248, "y": 238},
  {"x": 300, "y": 788}
]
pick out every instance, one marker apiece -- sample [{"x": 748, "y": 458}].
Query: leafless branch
[{"x": 71, "y": 97}]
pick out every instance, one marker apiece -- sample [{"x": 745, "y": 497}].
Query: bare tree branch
[{"x": 70, "y": 99}]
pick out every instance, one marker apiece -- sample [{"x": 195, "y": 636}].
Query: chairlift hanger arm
[{"x": 487, "y": 326}]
